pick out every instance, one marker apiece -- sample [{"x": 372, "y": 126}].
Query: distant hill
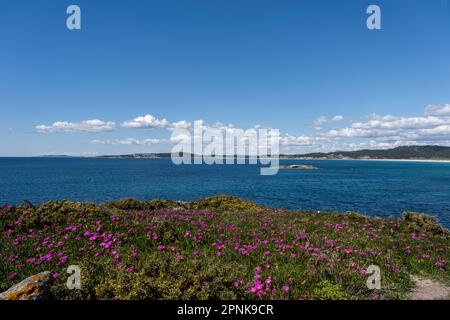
[
  {"x": 143, "y": 155},
  {"x": 55, "y": 156},
  {"x": 406, "y": 152}
]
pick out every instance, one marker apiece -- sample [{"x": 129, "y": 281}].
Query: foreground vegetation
[{"x": 217, "y": 248}]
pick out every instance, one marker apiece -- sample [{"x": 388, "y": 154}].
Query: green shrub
[
  {"x": 163, "y": 277},
  {"x": 425, "y": 223},
  {"x": 225, "y": 203},
  {"x": 326, "y": 290}
]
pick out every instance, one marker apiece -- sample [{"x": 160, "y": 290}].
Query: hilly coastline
[{"x": 400, "y": 153}]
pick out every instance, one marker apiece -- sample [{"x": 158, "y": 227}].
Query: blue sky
[{"x": 290, "y": 65}]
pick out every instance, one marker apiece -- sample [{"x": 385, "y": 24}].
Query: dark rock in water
[
  {"x": 298, "y": 167},
  {"x": 32, "y": 288}
]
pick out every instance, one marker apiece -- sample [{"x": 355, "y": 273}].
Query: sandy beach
[
  {"x": 392, "y": 160},
  {"x": 404, "y": 160}
]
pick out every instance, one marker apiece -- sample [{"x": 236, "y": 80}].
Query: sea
[{"x": 382, "y": 188}]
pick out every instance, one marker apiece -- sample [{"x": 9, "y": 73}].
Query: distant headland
[{"x": 404, "y": 153}]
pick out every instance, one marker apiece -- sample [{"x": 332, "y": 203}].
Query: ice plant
[{"x": 255, "y": 254}]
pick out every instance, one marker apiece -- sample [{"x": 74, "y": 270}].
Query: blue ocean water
[{"x": 371, "y": 187}]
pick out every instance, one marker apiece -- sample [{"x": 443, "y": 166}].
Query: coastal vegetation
[
  {"x": 426, "y": 152},
  {"x": 217, "y": 248},
  {"x": 404, "y": 152}
]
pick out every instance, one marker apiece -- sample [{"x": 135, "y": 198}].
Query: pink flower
[
  {"x": 55, "y": 276},
  {"x": 285, "y": 288},
  {"x": 31, "y": 260},
  {"x": 12, "y": 275},
  {"x": 362, "y": 271},
  {"x": 440, "y": 263},
  {"x": 375, "y": 296}
]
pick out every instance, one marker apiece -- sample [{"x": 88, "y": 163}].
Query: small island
[{"x": 296, "y": 167}]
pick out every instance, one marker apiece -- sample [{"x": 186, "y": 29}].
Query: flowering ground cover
[{"x": 217, "y": 248}]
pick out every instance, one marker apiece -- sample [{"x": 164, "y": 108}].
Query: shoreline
[
  {"x": 409, "y": 160},
  {"x": 282, "y": 158},
  {"x": 392, "y": 160}
]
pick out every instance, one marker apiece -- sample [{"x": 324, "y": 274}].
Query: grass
[{"x": 217, "y": 248}]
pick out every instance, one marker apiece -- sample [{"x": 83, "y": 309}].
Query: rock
[
  {"x": 429, "y": 289},
  {"x": 298, "y": 167},
  {"x": 32, "y": 288}
]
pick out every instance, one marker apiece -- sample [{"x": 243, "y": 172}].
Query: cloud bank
[
  {"x": 376, "y": 131},
  {"x": 83, "y": 126}
]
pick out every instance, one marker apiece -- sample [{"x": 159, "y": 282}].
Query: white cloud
[
  {"x": 433, "y": 127},
  {"x": 440, "y": 130},
  {"x": 438, "y": 110},
  {"x": 376, "y": 131},
  {"x": 146, "y": 122},
  {"x": 183, "y": 124},
  {"x": 320, "y": 120},
  {"x": 128, "y": 141},
  {"x": 180, "y": 138},
  {"x": 392, "y": 123},
  {"x": 83, "y": 126},
  {"x": 337, "y": 118},
  {"x": 288, "y": 140}
]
